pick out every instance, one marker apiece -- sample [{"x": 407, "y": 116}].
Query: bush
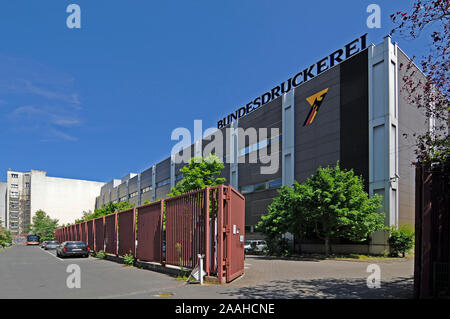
[
  {"x": 128, "y": 259},
  {"x": 101, "y": 254},
  {"x": 401, "y": 239}
]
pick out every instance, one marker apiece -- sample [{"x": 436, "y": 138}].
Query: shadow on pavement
[{"x": 398, "y": 288}]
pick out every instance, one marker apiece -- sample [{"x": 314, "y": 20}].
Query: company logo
[{"x": 315, "y": 101}]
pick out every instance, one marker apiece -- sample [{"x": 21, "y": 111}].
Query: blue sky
[{"x": 102, "y": 101}]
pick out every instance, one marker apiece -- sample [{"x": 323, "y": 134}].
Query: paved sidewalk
[
  {"x": 268, "y": 277},
  {"x": 31, "y": 272}
]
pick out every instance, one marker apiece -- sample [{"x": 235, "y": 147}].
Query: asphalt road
[{"x": 31, "y": 272}]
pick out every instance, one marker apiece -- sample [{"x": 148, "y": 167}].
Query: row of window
[
  {"x": 134, "y": 194},
  {"x": 162, "y": 183},
  {"x": 273, "y": 184},
  {"x": 260, "y": 145},
  {"x": 147, "y": 189}
]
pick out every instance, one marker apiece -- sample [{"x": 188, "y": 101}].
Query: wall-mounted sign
[
  {"x": 307, "y": 74},
  {"x": 315, "y": 101}
]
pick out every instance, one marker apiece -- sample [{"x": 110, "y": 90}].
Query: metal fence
[
  {"x": 126, "y": 232},
  {"x": 150, "y": 232},
  {"x": 208, "y": 222},
  {"x": 432, "y": 228},
  {"x": 185, "y": 229},
  {"x": 111, "y": 234}
]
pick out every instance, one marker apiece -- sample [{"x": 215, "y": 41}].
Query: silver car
[
  {"x": 52, "y": 244},
  {"x": 255, "y": 246}
]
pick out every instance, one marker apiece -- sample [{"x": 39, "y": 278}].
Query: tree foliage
[
  {"x": 198, "y": 174},
  {"x": 401, "y": 239},
  {"x": 330, "y": 204},
  {"x": 5, "y": 236},
  {"x": 43, "y": 226},
  {"x": 107, "y": 209},
  {"x": 430, "y": 94}
]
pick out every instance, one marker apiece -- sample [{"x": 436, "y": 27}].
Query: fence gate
[
  {"x": 150, "y": 232},
  {"x": 110, "y": 234},
  {"x": 208, "y": 222},
  {"x": 126, "y": 232},
  {"x": 235, "y": 231},
  {"x": 99, "y": 231}
]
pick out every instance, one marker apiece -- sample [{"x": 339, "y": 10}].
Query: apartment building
[{"x": 61, "y": 198}]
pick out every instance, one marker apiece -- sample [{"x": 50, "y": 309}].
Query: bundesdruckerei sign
[{"x": 314, "y": 70}]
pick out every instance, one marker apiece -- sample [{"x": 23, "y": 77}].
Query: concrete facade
[
  {"x": 61, "y": 198},
  {"x": 3, "y": 216}
]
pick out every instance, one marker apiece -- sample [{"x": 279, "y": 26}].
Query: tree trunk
[{"x": 327, "y": 246}]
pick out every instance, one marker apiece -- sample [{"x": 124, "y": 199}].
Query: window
[
  {"x": 162, "y": 183},
  {"x": 14, "y": 175},
  {"x": 273, "y": 184},
  {"x": 14, "y": 194},
  {"x": 14, "y": 186},
  {"x": 14, "y": 205},
  {"x": 133, "y": 194},
  {"x": 277, "y": 183},
  {"x": 258, "y": 146},
  {"x": 260, "y": 187},
  {"x": 247, "y": 189},
  {"x": 27, "y": 185},
  {"x": 123, "y": 199},
  {"x": 179, "y": 176},
  {"x": 147, "y": 189}
]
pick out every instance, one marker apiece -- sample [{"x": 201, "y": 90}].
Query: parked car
[
  {"x": 44, "y": 243},
  {"x": 255, "y": 246},
  {"x": 72, "y": 248},
  {"x": 52, "y": 244}
]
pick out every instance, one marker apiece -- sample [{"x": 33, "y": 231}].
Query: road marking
[{"x": 54, "y": 255}]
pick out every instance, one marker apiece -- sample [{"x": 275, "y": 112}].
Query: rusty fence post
[
  {"x": 134, "y": 231},
  {"x": 207, "y": 241},
  {"x": 161, "y": 234}
]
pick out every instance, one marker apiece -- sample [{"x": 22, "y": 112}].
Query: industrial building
[
  {"x": 3, "y": 204},
  {"x": 347, "y": 107},
  {"x": 61, "y": 198}
]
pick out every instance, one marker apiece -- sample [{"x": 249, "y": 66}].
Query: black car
[
  {"x": 51, "y": 244},
  {"x": 72, "y": 248}
]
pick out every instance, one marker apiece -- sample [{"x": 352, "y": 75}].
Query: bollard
[{"x": 200, "y": 272}]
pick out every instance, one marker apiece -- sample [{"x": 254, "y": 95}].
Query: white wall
[
  {"x": 61, "y": 198},
  {"x": 3, "y": 203}
]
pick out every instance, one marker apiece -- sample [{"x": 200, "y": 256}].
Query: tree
[
  {"x": 198, "y": 174},
  {"x": 5, "y": 236},
  {"x": 330, "y": 204},
  {"x": 44, "y": 226},
  {"x": 278, "y": 221},
  {"x": 429, "y": 94},
  {"x": 401, "y": 239},
  {"x": 107, "y": 209}
]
